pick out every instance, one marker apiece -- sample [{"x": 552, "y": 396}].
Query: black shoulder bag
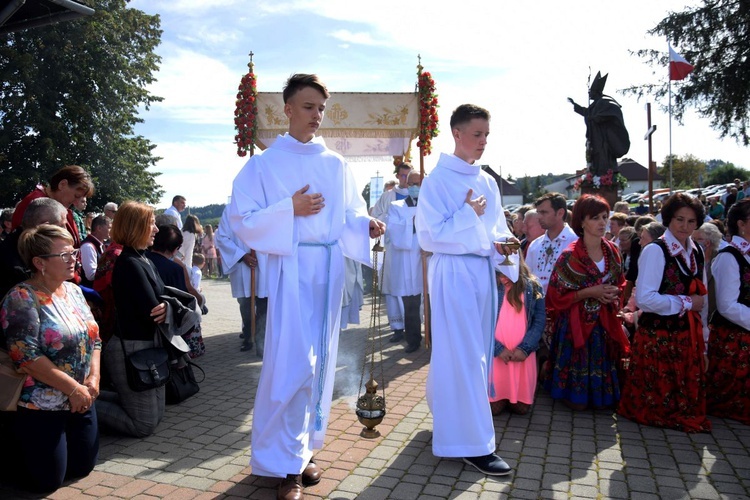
[
  {"x": 146, "y": 369},
  {"x": 182, "y": 383}
]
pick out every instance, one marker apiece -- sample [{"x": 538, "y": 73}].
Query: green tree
[
  {"x": 208, "y": 213},
  {"x": 727, "y": 173},
  {"x": 714, "y": 37},
  {"x": 685, "y": 171},
  {"x": 714, "y": 164},
  {"x": 524, "y": 185},
  {"x": 538, "y": 188},
  {"x": 70, "y": 94}
]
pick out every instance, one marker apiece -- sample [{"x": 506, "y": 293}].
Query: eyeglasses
[{"x": 64, "y": 256}]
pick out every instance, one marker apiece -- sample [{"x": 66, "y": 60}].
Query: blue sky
[{"x": 520, "y": 60}]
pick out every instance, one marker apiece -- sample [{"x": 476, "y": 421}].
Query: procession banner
[
  {"x": 357, "y": 125},
  {"x": 376, "y": 189}
]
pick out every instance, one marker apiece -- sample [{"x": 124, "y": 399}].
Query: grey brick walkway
[{"x": 201, "y": 449}]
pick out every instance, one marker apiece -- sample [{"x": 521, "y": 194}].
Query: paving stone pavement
[{"x": 201, "y": 448}]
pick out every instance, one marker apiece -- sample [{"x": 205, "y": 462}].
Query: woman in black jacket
[
  {"x": 173, "y": 273},
  {"x": 136, "y": 286}
]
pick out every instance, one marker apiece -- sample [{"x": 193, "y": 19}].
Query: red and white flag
[{"x": 679, "y": 68}]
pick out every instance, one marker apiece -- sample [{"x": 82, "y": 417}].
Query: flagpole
[
  {"x": 669, "y": 80},
  {"x": 678, "y": 68}
]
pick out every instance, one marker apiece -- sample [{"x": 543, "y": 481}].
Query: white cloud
[
  {"x": 202, "y": 171},
  {"x": 196, "y": 88},
  {"x": 210, "y": 37},
  {"x": 360, "y": 38}
]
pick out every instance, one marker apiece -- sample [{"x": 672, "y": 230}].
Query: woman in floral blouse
[{"x": 53, "y": 338}]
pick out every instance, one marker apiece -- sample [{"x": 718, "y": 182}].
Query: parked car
[
  {"x": 713, "y": 189},
  {"x": 644, "y": 196},
  {"x": 662, "y": 196},
  {"x": 631, "y": 197}
]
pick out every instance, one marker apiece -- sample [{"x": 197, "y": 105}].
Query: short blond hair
[
  {"x": 39, "y": 241},
  {"x": 627, "y": 233},
  {"x": 622, "y": 207},
  {"x": 132, "y": 225}
]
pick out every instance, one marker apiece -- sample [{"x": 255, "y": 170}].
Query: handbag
[
  {"x": 182, "y": 383},
  {"x": 11, "y": 383},
  {"x": 146, "y": 369}
]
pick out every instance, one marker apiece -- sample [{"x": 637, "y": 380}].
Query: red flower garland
[
  {"x": 428, "y": 117},
  {"x": 245, "y": 114}
]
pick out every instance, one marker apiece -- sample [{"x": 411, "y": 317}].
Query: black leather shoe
[
  {"x": 247, "y": 347},
  {"x": 411, "y": 348},
  {"x": 311, "y": 475},
  {"x": 398, "y": 336},
  {"x": 491, "y": 464}
]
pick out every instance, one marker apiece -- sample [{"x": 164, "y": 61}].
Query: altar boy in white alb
[
  {"x": 406, "y": 261},
  {"x": 298, "y": 202},
  {"x": 460, "y": 220}
]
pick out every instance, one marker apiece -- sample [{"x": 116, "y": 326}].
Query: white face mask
[{"x": 414, "y": 191}]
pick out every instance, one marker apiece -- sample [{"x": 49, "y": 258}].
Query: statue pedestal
[{"x": 609, "y": 193}]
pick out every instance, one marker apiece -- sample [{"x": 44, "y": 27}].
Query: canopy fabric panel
[{"x": 362, "y": 125}]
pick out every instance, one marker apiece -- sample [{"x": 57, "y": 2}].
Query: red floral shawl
[{"x": 575, "y": 271}]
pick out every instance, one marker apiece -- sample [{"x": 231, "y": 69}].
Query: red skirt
[
  {"x": 665, "y": 386},
  {"x": 728, "y": 376}
]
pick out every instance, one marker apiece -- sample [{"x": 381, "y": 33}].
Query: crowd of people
[
  {"x": 656, "y": 328},
  {"x": 80, "y": 292},
  {"x": 618, "y": 309},
  {"x": 643, "y": 315},
  {"x": 609, "y": 308}
]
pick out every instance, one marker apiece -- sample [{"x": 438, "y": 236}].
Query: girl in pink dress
[
  {"x": 520, "y": 322},
  {"x": 209, "y": 250}
]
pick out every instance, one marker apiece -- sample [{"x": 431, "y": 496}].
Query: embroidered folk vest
[
  {"x": 716, "y": 318},
  {"x": 675, "y": 280}
]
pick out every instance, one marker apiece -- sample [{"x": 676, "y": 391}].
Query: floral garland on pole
[
  {"x": 609, "y": 178},
  {"x": 428, "y": 117},
  {"x": 246, "y": 112}
]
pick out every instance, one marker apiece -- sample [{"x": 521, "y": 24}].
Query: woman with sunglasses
[{"x": 52, "y": 336}]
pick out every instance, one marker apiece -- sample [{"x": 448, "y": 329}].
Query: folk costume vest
[
  {"x": 716, "y": 318},
  {"x": 676, "y": 280}
]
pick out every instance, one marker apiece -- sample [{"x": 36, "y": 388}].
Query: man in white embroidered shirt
[{"x": 544, "y": 251}]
